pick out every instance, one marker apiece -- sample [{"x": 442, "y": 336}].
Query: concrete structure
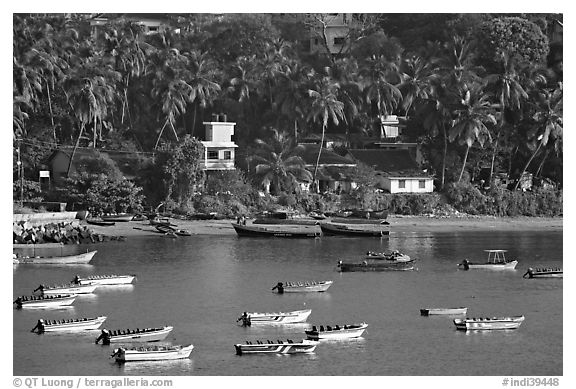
[
  {"x": 406, "y": 184},
  {"x": 219, "y": 149},
  {"x": 335, "y": 29}
]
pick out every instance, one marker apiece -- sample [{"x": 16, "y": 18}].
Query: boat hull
[
  {"x": 318, "y": 287},
  {"x": 353, "y": 331},
  {"x": 256, "y": 231},
  {"x": 117, "y": 218},
  {"x": 159, "y": 354},
  {"x": 77, "y": 289},
  {"x": 105, "y": 280},
  {"x": 376, "y": 266},
  {"x": 47, "y": 302},
  {"x": 443, "y": 311},
  {"x": 75, "y": 325},
  {"x": 280, "y": 317},
  {"x": 152, "y": 336},
  {"x": 306, "y": 346},
  {"x": 373, "y": 230},
  {"x": 65, "y": 260},
  {"x": 547, "y": 275},
  {"x": 489, "y": 324},
  {"x": 493, "y": 266}
]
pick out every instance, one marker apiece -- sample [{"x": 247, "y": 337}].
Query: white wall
[{"x": 412, "y": 185}]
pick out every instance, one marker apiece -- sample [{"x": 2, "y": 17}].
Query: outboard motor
[
  {"x": 528, "y": 273},
  {"x": 465, "y": 264},
  {"x": 105, "y": 336}
]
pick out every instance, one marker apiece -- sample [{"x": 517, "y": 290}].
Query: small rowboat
[
  {"x": 97, "y": 222},
  {"x": 65, "y": 289},
  {"x": 337, "y": 332},
  {"x": 443, "y": 311},
  {"x": 377, "y": 230},
  {"x": 63, "y": 260},
  {"x": 44, "y": 301},
  {"x": 377, "y": 265},
  {"x": 544, "y": 273},
  {"x": 120, "y": 217},
  {"x": 156, "y": 353},
  {"x": 68, "y": 324},
  {"x": 276, "y": 347},
  {"x": 277, "y": 231},
  {"x": 494, "y": 323},
  {"x": 496, "y": 261},
  {"x": 249, "y": 318},
  {"x": 392, "y": 256},
  {"x": 302, "y": 287},
  {"x": 111, "y": 279},
  {"x": 137, "y": 335}
]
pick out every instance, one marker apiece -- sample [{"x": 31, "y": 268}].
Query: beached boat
[
  {"x": 276, "y": 347},
  {"x": 100, "y": 222},
  {"x": 336, "y": 332},
  {"x": 377, "y": 265},
  {"x": 152, "y": 353},
  {"x": 110, "y": 279},
  {"x": 66, "y": 289},
  {"x": 137, "y": 335},
  {"x": 249, "y": 318},
  {"x": 496, "y": 261},
  {"x": 443, "y": 311},
  {"x": 50, "y": 301},
  {"x": 376, "y": 230},
  {"x": 66, "y": 325},
  {"x": 62, "y": 260},
  {"x": 302, "y": 287},
  {"x": 547, "y": 272},
  {"x": 120, "y": 217},
  {"x": 391, "y": 256},
  {"x": 489, "y": 323},
  {"x": 277, "y": 232}
]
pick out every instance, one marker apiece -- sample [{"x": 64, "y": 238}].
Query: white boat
[
  {"x": 302, "y": 287},
  {"x": 496, "y": 261},
  {"x": 66, "y": 289},
  {"x": 489, "y": 323},
  {"x": 276, "y": 347},
  {"x": 44, "y": 301},
  {"x": 62, "y": 260},
  {"x": 336, "y": 332},
  {"x": 154, "y": 353},
  {"x": 443, "y": 311},
  {"x": 544, "y": 273},
  {"x": 392, "y": 256},
  {"x": 249, "y": 318},
  {"x": 66, "y": 325},
  {"x": 137, "y": 335},
  {"x": 110, "y": 279}
]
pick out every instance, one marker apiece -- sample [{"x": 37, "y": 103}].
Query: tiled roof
[
  {"x": 391, "y": 162},
  {"x": 327, "y": 157}
]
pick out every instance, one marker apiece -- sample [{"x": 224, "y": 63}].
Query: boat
[
  {"x": 164, "y": 228},
  {"x": 44, "y": 301},
  {"x": 496, "y": 261},
  {"x": 100, "y": 222},
  {"x": 249, "y": 318},
  {"x": 137, "y": 335},
  {"x": 68, "y": 324},
  {"x": 65, "y": 289},
  {"x": 119, "y": 217},
  {"x": 62, "y": 260},
  {"x": 336, "y": 332},
  {"x": 377, "y": 265},
  {"x": 302, "y": 287},
  {"x": 284, "y": 232},
  {"x": 110, "y": 279},
  {"x": 378, "y": 230},
  {"x": 391, "y": 256},
  {"x": 276, "y": 347},
  {"x": 443, "y": 311},
  {"x": 547, "y": 272},
  {"x": 493, "y": 323},
  {"x": 152, "y": 353}
]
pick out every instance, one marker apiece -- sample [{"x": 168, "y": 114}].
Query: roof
[
  {"x": 327, "y": 137},
  {"x": 391, "y": 162},
  {"x": 327, "y": 157}
]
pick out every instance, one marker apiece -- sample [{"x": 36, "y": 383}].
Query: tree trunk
[
  {"x": 160, "y": 135},
  {"x": 95, "y": 132},
  {"x": 194, "y": 121},
  {"x": 295, "y": 132},
  {"x": 74, "y": 150},
  {"x": 539, "y": 170},
  {"x": 494, "y": 152},
  {"x": 318, "y": 160},
  {"x": 526, "y": 166},
  {"x": 464, "y": 163},
  {"x": 51, "y": 113},
  {"x": 444, "y": 152}
]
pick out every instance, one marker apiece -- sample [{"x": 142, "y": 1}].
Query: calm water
[{"x": 201, "y": 284}]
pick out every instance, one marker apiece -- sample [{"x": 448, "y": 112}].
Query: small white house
[
  {"x": 219, "y": 149},
  {"x": 406, "y": 184}
]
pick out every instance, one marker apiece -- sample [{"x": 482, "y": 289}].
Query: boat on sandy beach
[
  {"x": 82, "y": 258},
  {"x": 51, "y": 301},
  {"x": 100, "y": 222},
  {"x": 374, "y": 230},
  {"x": 302, "y": 287},
  {"x": 65, "y": 289},
  {"x": 443, "y": 311},
  {"x": 137, "y": 335},
  {"x": 276, "y": 347},
  {"x": 152, "y": 353},
  {"x": 547, "y": 272},
  {"x": 68, "y": 325},
  {"x": 109, "y": 279},
  {"x": 249, "y": 318},
  {"x": 277, "y": 231},
  {"x": 119, "y": 217},
  {"x": 493, "y": 323},
  {"x": 336, "y": 332},
  {"x": 496, "y": 261}
]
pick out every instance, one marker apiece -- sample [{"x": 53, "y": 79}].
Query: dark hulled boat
[
  {"x": 274, "y": 231},
  {"x": 376, "y": 230}
]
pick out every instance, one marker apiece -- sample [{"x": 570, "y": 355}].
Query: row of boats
[{"x": 312, "y": 231}]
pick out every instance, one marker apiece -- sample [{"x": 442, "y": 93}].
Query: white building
[{"x": 219, "y": 149}]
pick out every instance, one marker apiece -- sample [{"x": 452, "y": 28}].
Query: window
[
  {"x": 212, "y": 154},
  {"x": 421, "y": 184},
  {"x": 227, "y": 155},
  {"x": 339, "y": 40},
  {"x": 401, "y": 183},
  {"x": 316, "y": 41}
]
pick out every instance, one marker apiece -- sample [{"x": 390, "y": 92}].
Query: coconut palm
[
  {"x": 417, "y": 75},
  {"x": 379, "y": 78},
  {"x": 201, "y": 80}
]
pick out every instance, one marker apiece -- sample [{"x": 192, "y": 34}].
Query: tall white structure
[{"x": 219, "y": 149}]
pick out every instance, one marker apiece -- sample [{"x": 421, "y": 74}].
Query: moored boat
[
  {"x": 376, "y": 230},
  {"x": 119, "y": 217},
  {"x": 496, "y": 261},
  {"x": 65, "y": 289},
  {"x": 336, "y": 332},
  {"x": 65, "y": 325},
  {"x": 277, "y": 231},
  {"x": 391, "y": 256},
  {"x": 276, "y": 347},
  {"x": 110, "y": 279},
  {"x": 50, "y": 301},
  {"x": 489, "y": 323},
  {"x": 377, "y": 265},
  {"x": 137, "y": 335},
  {"x": 100, "y": 222},
  {"x": 152, "y": 353},
  {"x": 62, "y": 260},
  {"x": 249, "y": 318},
  {"x": 547, "y": 272},
  {"x": 302, "y": 287},
  {"x": 443, "y": 311}
]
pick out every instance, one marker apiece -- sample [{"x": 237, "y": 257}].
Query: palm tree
[
  {"x": 203, "y": 87},
  {"x": 417, "y": 75},
  {"x": 379, "y": 78}
]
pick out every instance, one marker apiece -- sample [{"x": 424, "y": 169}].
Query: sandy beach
[{"x": 397, "y": 224}]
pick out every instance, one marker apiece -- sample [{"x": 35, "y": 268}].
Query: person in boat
[
  {"x": 76, "y": 279},
  {"x": 245, "y": 318},
  {"x": 465, "y": 264},
  {"x": 528, "y": 273},
  {"x": 105, "y": 336},
  {"x": 280, "y": 287},
  {"x": 39, "y": 326}
]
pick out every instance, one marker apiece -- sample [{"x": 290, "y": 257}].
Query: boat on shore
[
  {"x": 276, "y": 347},
  {"x": 493, "y": 323},
  {"x": 137, "y": 335},
  {"x": 100, "y": 222},
  {"x": 374, "y": 230},
  {"x": 496, "y": 261},
  {"x": 65, "y": 289},
  {"x": 302, "y": 287},
  {"x": 336, "y": 332},
  {"x": 119, "y": 217},
  {"x": 67, "y": 325},
  {"x": 249, "y": 318},
  {"x": 110, "y": 279},
  {"x": 391, "y": 256},
  {"x": 377, "y": 265},
  {"x": 50, "y": 301},
  {"x": 282, "y": 232},
  {"x": 443, "y": 311},
  {"x": 61, "y": 260},
  {"x": 152, "y": 353},
  {"x": 547, "y": 272}
]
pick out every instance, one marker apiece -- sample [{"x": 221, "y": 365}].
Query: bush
[{"x": 31, "y": 190}]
